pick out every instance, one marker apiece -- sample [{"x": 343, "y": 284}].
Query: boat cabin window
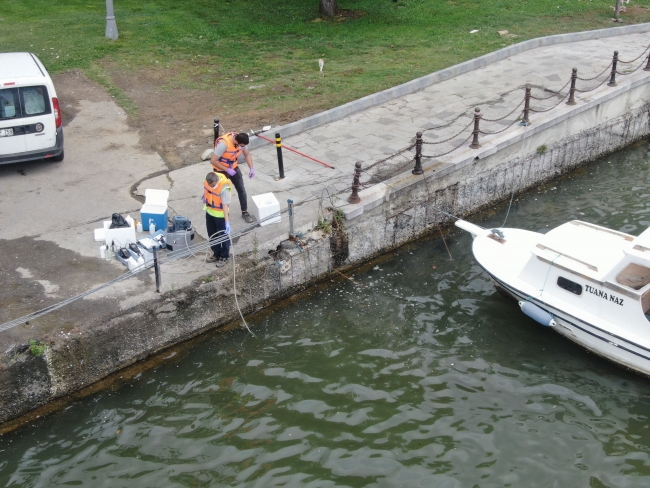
[
  {"x": 569, "y": 285},
  {"x": 634, "y": 276}
]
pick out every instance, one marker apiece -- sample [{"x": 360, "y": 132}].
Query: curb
[{"x": 417, "y": 84}]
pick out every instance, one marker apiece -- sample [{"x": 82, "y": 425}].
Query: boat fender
[{"x": 537, "y": 314}]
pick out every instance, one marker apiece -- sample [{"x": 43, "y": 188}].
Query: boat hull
[{"x": 616, "y": 349}]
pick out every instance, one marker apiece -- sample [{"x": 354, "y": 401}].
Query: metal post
[
  {"x": 647, "y": 66},
  {"x": 354, "y": 197},
  {"x": 278, "y": 145},
  {"x": 418, "y": 155},
  {"x": 156, "y": 267},
  {"x": 477, "y": 117},
  {"x": 216, "y": 130},
  {"x": 572, "y": 90},
  {"x": 612, "y": 80},
  {"x": 292, "y": 233},
  {"x": 111, "y": 26},
  {"x": 525, "y": 121}
]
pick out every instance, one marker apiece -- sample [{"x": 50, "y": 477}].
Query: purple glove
[
  {"x": 251, "y": 173},
  {"x": 231, "y": 171},
  {"x": 227, "y": 227}
]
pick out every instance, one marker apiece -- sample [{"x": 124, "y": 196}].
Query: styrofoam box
[
  {"x": 264, "y": 205},
  {"x": 121, "y": 235},
  {"x": 155, "y": 207}
]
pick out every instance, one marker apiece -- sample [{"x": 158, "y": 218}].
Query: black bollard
[
  {"x": 572, "y": 90},
  {"x": 216, "y": 130},
  {"x": 477, "y": 117},
  {"x": 156, "y": 266},
  {"x": 527, "y": 96},
  {"x": 354, "y": 197},
  {"x": 278, "y": 145},
  {"x": 612, "y": 80},
  {"x": 418, "y": 155}
]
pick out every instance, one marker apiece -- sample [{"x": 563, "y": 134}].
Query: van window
[
  {"x": 35, "y": 101},
  {"x": 569, "y": 285},
  {"x": 9, "y": 104}
]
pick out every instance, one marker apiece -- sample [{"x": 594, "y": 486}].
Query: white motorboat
[{"x": 590, "y": 283}]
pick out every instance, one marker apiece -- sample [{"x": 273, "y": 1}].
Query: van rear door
[
  {"x": 12, "y": 137},
  {"x": 38, "y": 119}
]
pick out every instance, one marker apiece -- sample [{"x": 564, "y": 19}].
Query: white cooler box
[{"x": 264, "y": 205}]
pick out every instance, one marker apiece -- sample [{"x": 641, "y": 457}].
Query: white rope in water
[{"x": 513, "y": 181}]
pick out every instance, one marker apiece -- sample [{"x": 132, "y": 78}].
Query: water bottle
[
  {"x": 102, "y": 251},
  {"x": 152, "y": 226},
  {"x": 139, "y": 226}
]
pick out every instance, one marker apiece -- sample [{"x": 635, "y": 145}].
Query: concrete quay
[{"x": 48, "y": 211}]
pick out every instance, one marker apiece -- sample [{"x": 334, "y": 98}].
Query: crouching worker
[{"x": 216, "y": 198}]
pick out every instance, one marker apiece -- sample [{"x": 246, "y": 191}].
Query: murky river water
[{"x": 421, "y": 375}]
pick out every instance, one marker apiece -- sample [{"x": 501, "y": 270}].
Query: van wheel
[{"x": 59, "y": 158}]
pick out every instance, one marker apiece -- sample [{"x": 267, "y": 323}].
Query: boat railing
[{"x": 546, "y": 248}]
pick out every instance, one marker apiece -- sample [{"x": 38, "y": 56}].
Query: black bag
[{"x": 118, "y": 222}]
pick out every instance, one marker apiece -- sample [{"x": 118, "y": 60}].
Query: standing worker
[
  {"x": 229, "y": 150},
  {"x": 216, "y": 199}
]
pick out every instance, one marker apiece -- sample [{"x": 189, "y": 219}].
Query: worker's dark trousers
[
  {"x": 214, "y": 225},
  {"x": 238, "y": 181}
]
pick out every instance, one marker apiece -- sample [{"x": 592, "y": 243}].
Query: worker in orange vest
[
  {"x": 229, "y": 150},
  {"x": 216, "y": 201}
]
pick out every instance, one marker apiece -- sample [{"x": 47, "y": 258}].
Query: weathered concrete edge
[
  {"x": 96, "y": 349},
  {"x": 417, "y": 84},
  {"x": 376, "y": 195}
]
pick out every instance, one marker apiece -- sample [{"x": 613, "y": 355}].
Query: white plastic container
[
  {"x": 121, "y": 236},
  {"x": 135, "y": 265},
  {"x": 264, "y": 205},
  {"x": 139, "y": 227},
  {"x": 102, "y": 251}
]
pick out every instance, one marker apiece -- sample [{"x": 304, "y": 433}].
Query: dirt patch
[
  {"x": 177, "y": 122},
  {"x": 73, "y": 86}
]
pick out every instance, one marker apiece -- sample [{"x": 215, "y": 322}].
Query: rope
[
  {"x": 508, "y": 115},
  {"x": 504, "y": 129},
  {"x": 597, "y": 76},
  {"x": 635, "y": 59},
  {"x": 451, "y": 150},
  {"x": 556, "y": 93},
  {"x": 551, "y": 107},
  {"x": 592, "y": 89},
  {"x": 452, "y": 137}
]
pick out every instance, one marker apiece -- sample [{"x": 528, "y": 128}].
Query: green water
[{"x": 425, "y": 376}]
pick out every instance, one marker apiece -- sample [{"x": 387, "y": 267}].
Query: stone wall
[{"x": 390, "y": 214}]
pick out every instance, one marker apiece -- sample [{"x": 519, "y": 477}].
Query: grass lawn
[{"x": 261, "y": 56}]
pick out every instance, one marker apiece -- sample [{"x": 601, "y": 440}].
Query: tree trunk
[
  {"x": 617, "y": 9},
  {"x": 329, "y": 8}
]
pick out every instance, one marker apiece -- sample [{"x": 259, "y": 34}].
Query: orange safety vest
[
  {"x": 212, "y": 196},
  {"x": 229, "y": 157}
]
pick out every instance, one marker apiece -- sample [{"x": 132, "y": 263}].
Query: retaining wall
[{"x": 390, "y": 214}]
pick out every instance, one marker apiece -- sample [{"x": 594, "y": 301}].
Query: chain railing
[{"x": 523, "y": 117}]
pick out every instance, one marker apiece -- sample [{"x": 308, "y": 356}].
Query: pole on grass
[{"x": 111, "y": 26}]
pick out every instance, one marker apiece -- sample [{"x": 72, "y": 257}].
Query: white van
[{"x": 30, "y": 117}]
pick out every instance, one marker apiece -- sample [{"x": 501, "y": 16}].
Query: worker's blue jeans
[{"x": 214, "y": 226}]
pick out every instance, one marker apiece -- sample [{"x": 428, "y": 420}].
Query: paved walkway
[
  {"x": 441, "y": 110},
  {"x": 48, "y": 250}
]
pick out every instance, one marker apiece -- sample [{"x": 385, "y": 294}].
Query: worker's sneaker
[
  {"x": 247, "y": 217},
  {"x": 221, "y": 262},
  {"x": 212, "y": 259}
]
